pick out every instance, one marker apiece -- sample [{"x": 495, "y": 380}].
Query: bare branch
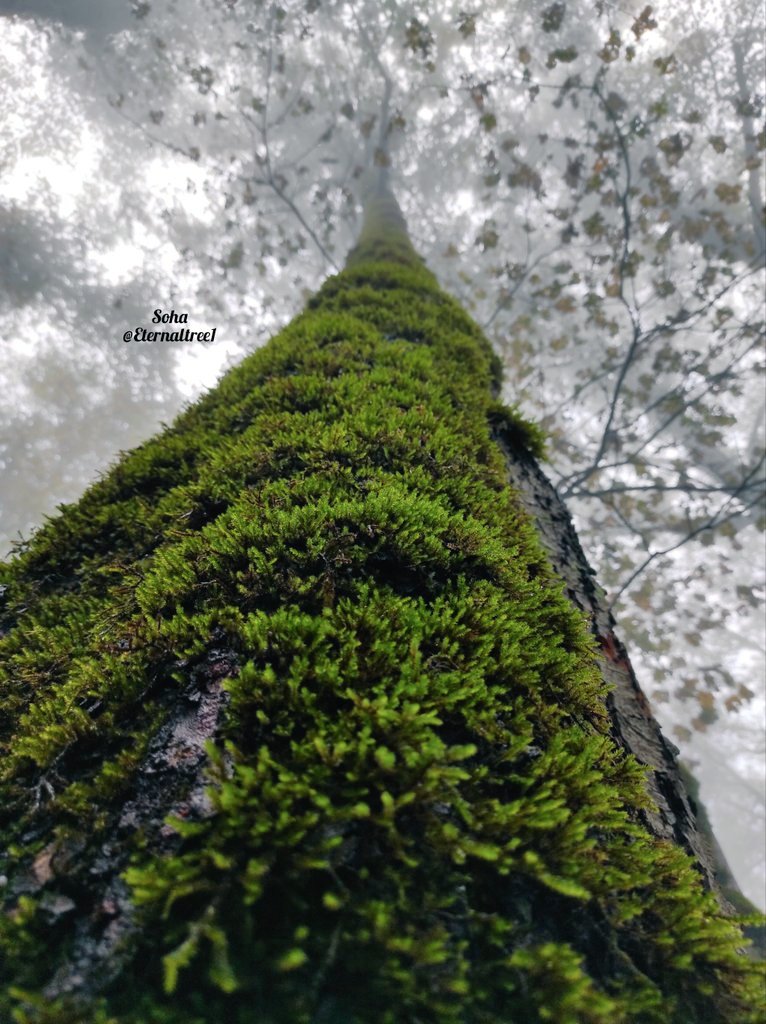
[{"x": 716, "y": 520}]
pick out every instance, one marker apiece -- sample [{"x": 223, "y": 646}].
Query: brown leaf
[{"x": 42, "y": 868}]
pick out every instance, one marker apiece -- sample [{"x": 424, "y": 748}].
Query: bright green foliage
[{"x": 416, "y": 810}]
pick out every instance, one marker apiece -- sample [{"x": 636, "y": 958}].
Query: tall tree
[
  {"x": 596, "y": 209},
  {"x": 302, "y": 726}
]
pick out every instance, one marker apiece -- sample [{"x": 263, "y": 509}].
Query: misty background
[{"x": 586, "y": 179}]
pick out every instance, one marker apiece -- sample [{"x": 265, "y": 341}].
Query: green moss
[
  {"x": 515, "y": 430},
  {"x": 415, "y": 808}
]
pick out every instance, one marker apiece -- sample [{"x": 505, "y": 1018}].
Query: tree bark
[{"x": 633, "y": 726}]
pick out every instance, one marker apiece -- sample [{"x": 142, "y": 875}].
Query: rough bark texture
[{"x": 633, "y": 725}]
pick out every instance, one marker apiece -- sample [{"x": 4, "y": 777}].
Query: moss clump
[
  {"x": 515, "y": 430},
  {"x": 414, "y": 809}
]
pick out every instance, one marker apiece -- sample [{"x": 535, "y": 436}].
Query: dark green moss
[
  {"x": 415, "y": 811},
  {"x": 515, "y": 430}
]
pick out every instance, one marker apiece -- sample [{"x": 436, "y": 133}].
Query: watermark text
[{"x": 177, "y": 334}]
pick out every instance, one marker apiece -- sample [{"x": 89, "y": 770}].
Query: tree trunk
[{"x": 306, "y": 722}]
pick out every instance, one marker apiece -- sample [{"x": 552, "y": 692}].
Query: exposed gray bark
[{"x": 633, "y": 724}]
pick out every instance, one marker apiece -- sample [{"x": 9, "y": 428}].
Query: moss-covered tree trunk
[{"x": 305, "y": 714}]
